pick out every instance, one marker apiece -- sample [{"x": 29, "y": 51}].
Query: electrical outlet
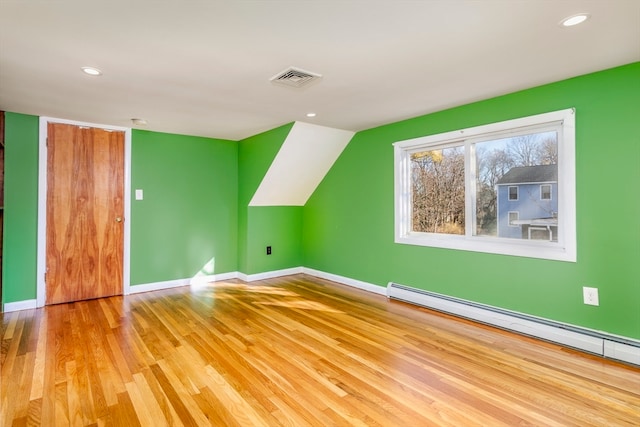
[
  {"x": 590, "y": 296},
  {"x": 268, "y": 250}
]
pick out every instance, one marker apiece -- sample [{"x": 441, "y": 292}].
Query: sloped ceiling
[
  {"x": 203, "y": 67},
  {"x": 303, "y": 160}
]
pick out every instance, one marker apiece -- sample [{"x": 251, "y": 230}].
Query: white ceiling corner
[{"x": 303, "y": 160}]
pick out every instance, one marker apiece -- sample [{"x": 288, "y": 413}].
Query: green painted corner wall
[
  {"x": 348, "y": 221},
  {"x": 20, "y": 208},
  {"x": 279, "y": 227},
  {"x": 259, "y": 226},
  {"x": 187, "y": 222}
]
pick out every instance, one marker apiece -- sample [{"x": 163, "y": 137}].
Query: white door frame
[{"x": 42, "y": 203}]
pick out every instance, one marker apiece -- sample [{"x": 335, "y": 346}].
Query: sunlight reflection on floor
[
  {"x": 244, "y": 287},
  {"x": 229, "y": 290},
  {"x": 301, "y": 304}
]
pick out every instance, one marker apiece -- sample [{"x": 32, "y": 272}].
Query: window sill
[{"x": 521, "y": 248}]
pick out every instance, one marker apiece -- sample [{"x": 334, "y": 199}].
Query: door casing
[{"x": 42, "y": 204}]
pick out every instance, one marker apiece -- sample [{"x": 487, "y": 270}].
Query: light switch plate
[{"x": 139, "y": 195}]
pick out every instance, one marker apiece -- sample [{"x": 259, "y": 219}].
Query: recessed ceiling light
[
  {"x": 572, "y": 20},
  {"x": 139, "y": 122},
  {"x": 92, "y": 71},
  {"x": 311, "y": 114}
]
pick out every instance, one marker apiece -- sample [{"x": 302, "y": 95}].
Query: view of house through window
[
  {"x": 524, "y": 163},
  {"x": 482, "y": 188},
  {"x": 514, "y": 174}
]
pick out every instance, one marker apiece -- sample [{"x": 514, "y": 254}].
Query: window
[
  {"x": 513, "y": 216},
  {"x": 489, "y": 188},
  {"x": 545, "y": 192}
]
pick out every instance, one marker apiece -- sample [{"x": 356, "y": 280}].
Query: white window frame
[
  {"x": 509, "y": 193},
  {"x": 509, "y": 222},
  {"x": 562, "y": 250},
  {"x": 550, "y": 191}
]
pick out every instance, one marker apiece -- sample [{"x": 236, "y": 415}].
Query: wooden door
[{"x": 85, "y": 207}]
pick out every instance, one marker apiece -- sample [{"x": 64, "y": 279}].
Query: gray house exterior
[{"x": 527, "y": 199}]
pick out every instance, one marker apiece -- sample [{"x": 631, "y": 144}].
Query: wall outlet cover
[{"x": 590, "y": 296}]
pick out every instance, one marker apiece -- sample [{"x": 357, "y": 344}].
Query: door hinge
[{"x": 45, "y": 277}]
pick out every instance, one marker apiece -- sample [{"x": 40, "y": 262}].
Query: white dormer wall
[{"x": 302, "y": 162}]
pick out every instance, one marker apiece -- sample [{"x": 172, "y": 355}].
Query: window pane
[
  {"x": 437, "y": 178},
  {"x": 513, "y": 192},
  {"x": 511, "y": 176},
  {"x": 513, "y": 216},
  {"x": 441, "y": 179}
]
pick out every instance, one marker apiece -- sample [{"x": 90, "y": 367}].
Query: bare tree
[
  {"x": 492, "y": 165},
  {"x": 438, "y": 191},
  {"x": 525, "y": 150},
  {"x": 549, "y": 151}
]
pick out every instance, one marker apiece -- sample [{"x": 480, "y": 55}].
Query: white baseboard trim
[
  {"x": 596, "y": 342},
  {"x": 370, "y": 287},
  {"x": 19, "y": 305},
  {"x": 201, "y": 280},
  {"x": 225, "y": 276},
  {"x": 197, "y": 280},
  {"x": 269, "y": 274},
  {"x": 157, "y": 286}
]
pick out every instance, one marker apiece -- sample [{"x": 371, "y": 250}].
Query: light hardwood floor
[{"x": 294, "y": 351}]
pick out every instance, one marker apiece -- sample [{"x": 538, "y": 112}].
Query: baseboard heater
[{"x": 603, "y": 344}]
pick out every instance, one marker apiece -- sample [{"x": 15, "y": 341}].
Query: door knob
[{"x": 119, "y": 219}]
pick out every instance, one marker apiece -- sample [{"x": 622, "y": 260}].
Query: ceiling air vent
[{"x": 295, "y": 77}]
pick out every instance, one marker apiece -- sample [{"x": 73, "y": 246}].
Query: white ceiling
[{"x": 203, "y": 67}]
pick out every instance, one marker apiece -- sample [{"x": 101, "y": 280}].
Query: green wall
[
  {"x": 279, "y": 227},
  {"x": 187, "y": 222},
  {"x": 19, "y": 260},
  {"x": 197, "y": 192},
  {"x": 348, "y": 222},
  {"x": 260, "y": 226}
]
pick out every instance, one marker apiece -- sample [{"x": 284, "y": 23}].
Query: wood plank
[
  {"x": 184, "y": 394},
  {"x": 77, "y": 415},
  {"x": 294, "y": 351},
  {"x": 174, "y": 398},
  {"x": 146, "y": 407},
  {"x": 124, "y": 413},
  {"x": 37, "y": 382}
]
